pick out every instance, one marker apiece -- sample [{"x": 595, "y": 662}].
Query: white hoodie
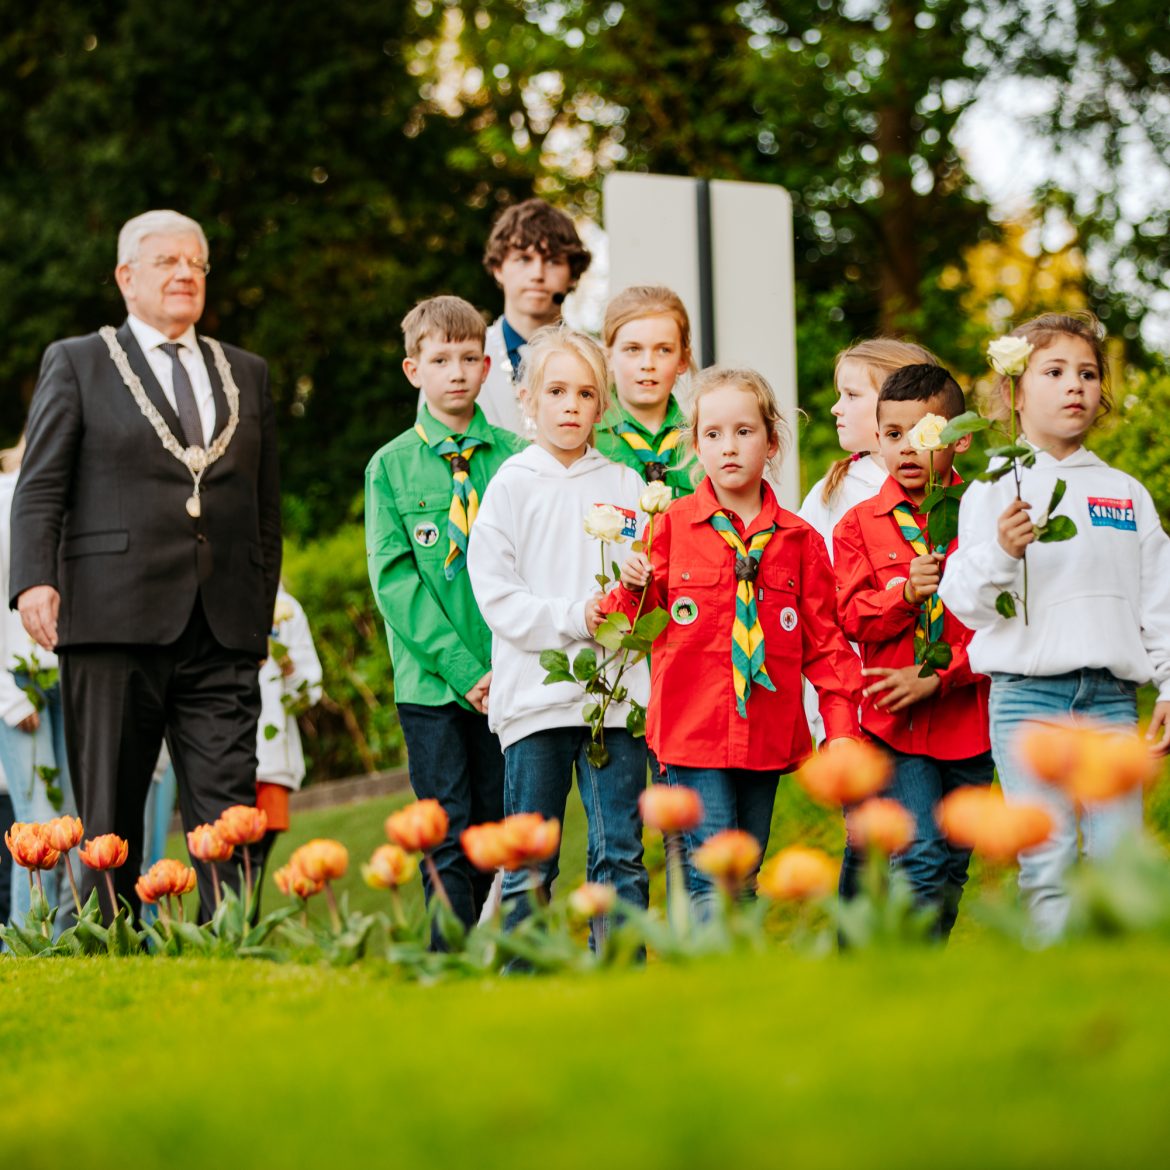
[
  {"x": 1101, "y": 599},
  {"x": 532, "y": 569},
  {"x": 862, "y": 482}
]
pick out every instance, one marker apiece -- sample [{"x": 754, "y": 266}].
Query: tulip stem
[
  {"x": 215, "y": 884},
  {"x": 72, "y": 884},
  {"x": 678, "y": 901},
  {"x": 436, "y": 882},
  {"x": 110, "y": 891},
  {"x": 44, "y": 919},
  {"x": 247, "y": 875},
  {"x": 182, "y": 916},
  {"x": 396, "y": 907},
  {"x": 334, "y": 916}
]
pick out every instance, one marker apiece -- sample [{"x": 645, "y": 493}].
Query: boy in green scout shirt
[
  {"x": 422, "y": 494},
  {"x": 647, "y": 336}
]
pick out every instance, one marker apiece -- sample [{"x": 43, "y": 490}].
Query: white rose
[
  {"x": 926, "y": 434},
  {"x": 605, "y": 522},
  {"x": 656, "y": 498},
  {"x": 1009, "y": 355},
  {"x": 282, "y": 613}
]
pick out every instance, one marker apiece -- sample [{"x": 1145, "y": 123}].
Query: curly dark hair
[{"x": 537, "y": 224}]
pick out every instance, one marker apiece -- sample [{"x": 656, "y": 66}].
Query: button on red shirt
[
  {"x": 692, "y": 718},
  {"x": 871, "y": 559}
]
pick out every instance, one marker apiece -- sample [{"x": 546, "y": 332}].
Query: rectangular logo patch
[
  {"x": 630, "y": 528},
  {"x": 1107, "y": 513}
]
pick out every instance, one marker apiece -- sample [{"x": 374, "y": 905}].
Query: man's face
[
  {"x": 162, "y": 286},
  {"x": 530, "y": 280}
]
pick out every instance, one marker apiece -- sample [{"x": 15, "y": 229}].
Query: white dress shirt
[{"x": 151, "y": 341}]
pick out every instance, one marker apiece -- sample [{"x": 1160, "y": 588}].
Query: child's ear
[
  {"x": 410, "y": 369},
  {"x": 487, "y": 365},
  {"x": 963, "y": 444}
]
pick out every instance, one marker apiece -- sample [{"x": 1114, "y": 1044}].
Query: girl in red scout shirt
[
  {"x": 935, "y": 727},
  {"x": 749, "y": 590},
  {"x": 1098, "y": 604}
]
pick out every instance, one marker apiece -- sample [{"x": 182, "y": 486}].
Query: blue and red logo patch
[{"x": 1108, "y": 513}]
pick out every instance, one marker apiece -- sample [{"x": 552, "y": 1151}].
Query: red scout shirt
[
  {"x": 692, "y": 718},
  {"x": 871, "y": 559}
]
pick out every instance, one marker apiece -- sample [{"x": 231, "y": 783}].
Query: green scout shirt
[
  {"x": 439, "y": 644},
  {"x": 680, "y": 461}
]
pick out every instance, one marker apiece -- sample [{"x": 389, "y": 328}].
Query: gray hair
[{"x": 153, "y": 223}]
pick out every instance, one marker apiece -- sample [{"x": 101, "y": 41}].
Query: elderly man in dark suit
[{"x": 146, "y": 544}]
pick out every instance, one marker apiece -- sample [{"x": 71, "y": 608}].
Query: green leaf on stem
[
  {"x": 652, "y": 623},
  {"x": 942, "y": 523},
  {"x": 554, "y": 660},
  {"x": 995, "y": 474},
  {"x": 937, "y": 657},
  {"x": 1028, "y": 459},
  {"x": 585, "y": 664},
  {"x": 601, "y": 579},
  {"x": 591, "y": 712},
  {"x": 1057, "y": 495},
  {"x": 612, "y": 630},
  {"x": 597, "y": 754},
  {"x": 1008, "y": 451},
  {"x": 1005, "y": 605},
  {"x": 638, "y": 644},
  {"x": 636, "y": 720},
  {"x": 617, "y": 573},
  {"x": 1058, "y": 528},
  {"x": 967, "y": 423}
]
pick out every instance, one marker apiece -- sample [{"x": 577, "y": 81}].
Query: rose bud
[
  {"x": 656, "y": 498},
  {"x": 730, "y": 857},
  {"x": 798, "y": 874},
  {"x": 205, "y": 844},
  {"x": 670, "y": 808},
  {"x": 108, "y": 851},
  {"x": 419, "y": 827},
  {"x": 242, "y": 824}
]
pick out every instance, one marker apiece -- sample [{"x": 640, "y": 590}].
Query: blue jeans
[
  {"x": 538, "y": 776},
  {"x": 455, "y": 759},
  {"x": 733, "y": 798},
  {"x": 936, "y": 869},
  {"x": 19, "y": 752},
  {"x": 1017, "y": 700}
]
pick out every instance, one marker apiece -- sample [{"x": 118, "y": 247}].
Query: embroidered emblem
[
  {"x": 788, "y": 619},
  {"x": 1107, "y": 513},
  {"x": 895, "y": 582},
  {"x": 684, "y": 610},
  {"x": 426, "y": 533}
]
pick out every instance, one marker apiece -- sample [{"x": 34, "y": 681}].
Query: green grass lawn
[{"x": 978, "y": 1057}]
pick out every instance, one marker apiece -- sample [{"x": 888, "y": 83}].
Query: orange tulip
[
  {"x": 390, "y": 867},
  {"x": 883, "y": 825},
  {"x": 486, "y": 846},
  {"x": 797, "y": 874},
  {"x": 730, "y": 857},
  {"x": 108, "y": 851},
  {"x": 593, "y": 899},
  {"x": 291, "y": 881},
  {"x": 321, "y": 860},
  {"x": 670, "y": 808},
  {"x": 419, "y": 827},
  {"x": 30, "y": 846},
  {"x": 530, "y": 839},
  {"x": 64, "y": 833},
  {"x": 166, "y": 878},
  {"x": 979, "y": 818},
  {"x": 242, "y": 824},
  {"x": 1088, "y": 762},
  {"x": 847, "y": 771},
  {"x": 205, "y": 844}
]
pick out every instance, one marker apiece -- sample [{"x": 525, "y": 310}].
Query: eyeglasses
[{"x": 170, "y": 263}]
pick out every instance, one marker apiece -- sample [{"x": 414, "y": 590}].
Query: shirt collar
[
  {"x": 513, "y": 342},
  {"x": 674, "y": 420},
  {"x": 479, "y": 427},
  {"x": 148, "y": 337},
  {"x": 891, "y": 494},
  {"x": 706, "y": 505}
]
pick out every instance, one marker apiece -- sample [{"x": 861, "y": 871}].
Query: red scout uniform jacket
[
  {"x": 692, "y": 719},
  {"x": 871, "y": 559}
]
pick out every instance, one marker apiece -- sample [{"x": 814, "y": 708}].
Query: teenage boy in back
[
  {"x": 888, "y": 574},
  {"x": 422, "y": 494},
  {"x": 536, "y": 257}
]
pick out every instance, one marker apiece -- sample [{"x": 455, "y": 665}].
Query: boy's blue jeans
[
  {"x": 539, "y": 773},
  {"x": 733, "y": 798},
  {"x": 455, "y": 758},
  {"x": 1018, "y": 699},
  {"x": 936, "y": 869}
]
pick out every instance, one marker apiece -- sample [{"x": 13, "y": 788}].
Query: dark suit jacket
[{"x": 99, "y": 511}]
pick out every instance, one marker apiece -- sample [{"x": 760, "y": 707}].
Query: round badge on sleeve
[
  {"x": 788, "y": 618},
  {"x": 426, "y": 534},
  {"x": 684, "y": 610}
]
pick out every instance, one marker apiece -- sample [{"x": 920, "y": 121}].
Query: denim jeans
[
  {"x": 733, "y": 798},
  {"x": 455, "y": 759},
  {"x": 936, "y": 869},
  {"x": 1018, "y": 699},
  {"x": 19, "y": 752},
  {"x": 539, "y": 773}
]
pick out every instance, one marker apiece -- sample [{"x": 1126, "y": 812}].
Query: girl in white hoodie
[
  {"x": 1098, "y": 604},
  {"x": 533, "y": 569}
]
